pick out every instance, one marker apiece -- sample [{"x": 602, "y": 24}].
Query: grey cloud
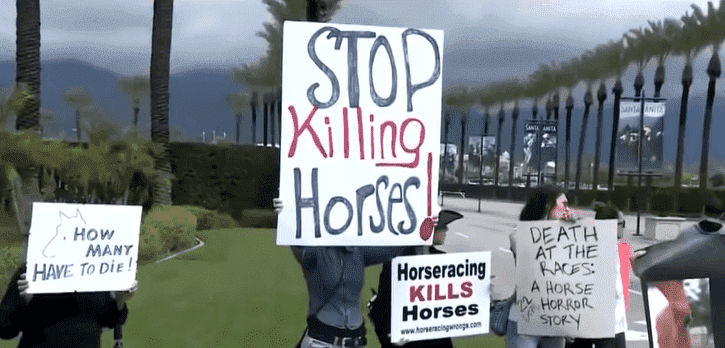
[{"x": 79, "y": 17}]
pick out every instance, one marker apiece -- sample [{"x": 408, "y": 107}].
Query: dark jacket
[
  {"x": 380, "y": 313},
  {"x": 335, "y": 278},
  {"x": 58, "y": 320}
]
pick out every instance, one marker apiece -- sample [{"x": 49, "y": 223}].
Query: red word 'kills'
[
  {"x": 386, "y": 130},
  {"x": 433, "y": 292}
]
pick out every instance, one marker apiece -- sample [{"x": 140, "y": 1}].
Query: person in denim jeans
[
  {"x": 544, "y": 202},
  {"x": 335, "y": 277}
]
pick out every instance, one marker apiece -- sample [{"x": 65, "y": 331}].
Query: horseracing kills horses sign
[{"x": 360, "y": 132}]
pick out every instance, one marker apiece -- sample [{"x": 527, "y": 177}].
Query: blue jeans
[{"x": 516, "y": 340}]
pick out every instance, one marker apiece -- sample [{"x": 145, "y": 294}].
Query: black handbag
[{"x": 499, "y": 316}]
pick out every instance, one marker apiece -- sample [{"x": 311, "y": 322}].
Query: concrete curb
[{"x": 201, "y": 244}]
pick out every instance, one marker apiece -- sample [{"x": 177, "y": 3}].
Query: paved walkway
[{"x": 489, "y": 228}]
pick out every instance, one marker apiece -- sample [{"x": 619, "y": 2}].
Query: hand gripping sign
[
  {"x": 82, "y": 247},
  {"x": 435, "y": 296},
  {"x": 359, "y": 145}
]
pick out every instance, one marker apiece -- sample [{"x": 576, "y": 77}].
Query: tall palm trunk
[
  {"x": 569, "y": 107},
  {"x": 686, "y": 83},
  {"x": 239, "y": 124},
  {"x": 713, "y": 70},
  {"x": 549, "y": 109},
  {"x": 638, "y": 83},
  {"x": 461, "y": 166},
  {"x": 617, "y": 90},
  {"x": 601, "y": 97},
  {"x": 501, "y": 116},
  {"x": 28, "y": 62},
  {"x": 78, "y": 125},
  {"x": 272, "y": 114},
  {"x": 514, "y": 119},
  {"x": 659, "y": 80},
  {"x": 265, "y": 121},
  {"x": 160, "y": 58},
  {"x": 582, "y": 135},
  {"x": 253, "y": 106},
  {"x": 26, "y": 187}
]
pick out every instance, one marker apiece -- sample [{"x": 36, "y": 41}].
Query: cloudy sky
[{"x": 484, "y": 40}]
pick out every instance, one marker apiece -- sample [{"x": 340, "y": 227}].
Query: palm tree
[
  {"x": 689, "y": 46},
  {"x": 542, "y": 84},
  {"x": 714, "y": 25},
  {"x": 238, "y": 102},
  {"x": 77, "y": 98},
  {"x": 135, "y": 87},
  {"x": 568, "y": 76},
  {"x": 460, "y": 98},
  {"x": 582, "y": 134},
  {"x": 612, "y": 54},
  {"x": 253, "y": 107},
  {"x": 601, "y": 96},
  {"x": 501, "y": 116},
  {"x": 265, "y": 121},
  {"x": 28, "y": 62},
  {"x": 638, "y": 50},
  {"x": 267, "y": 72},
  {"x": 512, "y": 162},
  {"x": 663, "y": 38},
  {"x": 160, "y": 59},
  {"x": 590, "y": 72},
  {"x": 27, "y": 78}
]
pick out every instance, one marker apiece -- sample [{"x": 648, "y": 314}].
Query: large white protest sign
[
  {"x": 434, "y": 296},
  {"x": 82, "y": 247},
  {"x": 566, "y": 273},
  {"x": 361, "y": 111}
]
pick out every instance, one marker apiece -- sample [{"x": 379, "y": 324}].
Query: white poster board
[
  {"x": 435, "y": 296},
  {"x": 82, "y": 247},
  {"x": 566, "y": 273},
  {"x": 361, "y": 111}
]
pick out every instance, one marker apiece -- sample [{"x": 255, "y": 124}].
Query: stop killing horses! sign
[{"x": 360, "y": 132}]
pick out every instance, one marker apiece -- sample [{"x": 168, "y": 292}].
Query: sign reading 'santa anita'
[{"x": 360, "y": 125}]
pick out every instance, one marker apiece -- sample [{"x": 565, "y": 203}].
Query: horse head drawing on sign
[{"x": 64, "y": 231}]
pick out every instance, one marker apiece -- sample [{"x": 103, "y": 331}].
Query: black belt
[{"x": 336, "y": 336}]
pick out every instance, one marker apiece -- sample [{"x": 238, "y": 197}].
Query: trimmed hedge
[
  {"x": 225, "y": 178},
  {"x": 166, "y": 229},
  {"x": 211, "y": 220}
]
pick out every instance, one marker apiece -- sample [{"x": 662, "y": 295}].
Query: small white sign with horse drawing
[{"x": 82, "y": 247}]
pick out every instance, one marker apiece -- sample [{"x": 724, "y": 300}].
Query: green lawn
[{"x": 239, "y": 290}]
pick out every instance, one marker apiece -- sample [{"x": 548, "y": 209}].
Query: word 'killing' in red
[{"x": 392, "y": 134}]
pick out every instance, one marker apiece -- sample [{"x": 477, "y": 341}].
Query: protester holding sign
[
  {"x": 334, "y": 277},
  {"x": 605, "y": 212},
  {"x": 380, "y": 304},
  {"x": 546, "y": 202},
  {"x": 59, "y": 320},
  {"x": 357, "y": 159}
]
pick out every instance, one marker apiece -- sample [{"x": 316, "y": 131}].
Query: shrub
[
  {"x": 150, "y": 243},
  {"x": 11, "y": 257},
  {"x": 211, "y": 220},
  {"x": 175, "y": 226}
]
